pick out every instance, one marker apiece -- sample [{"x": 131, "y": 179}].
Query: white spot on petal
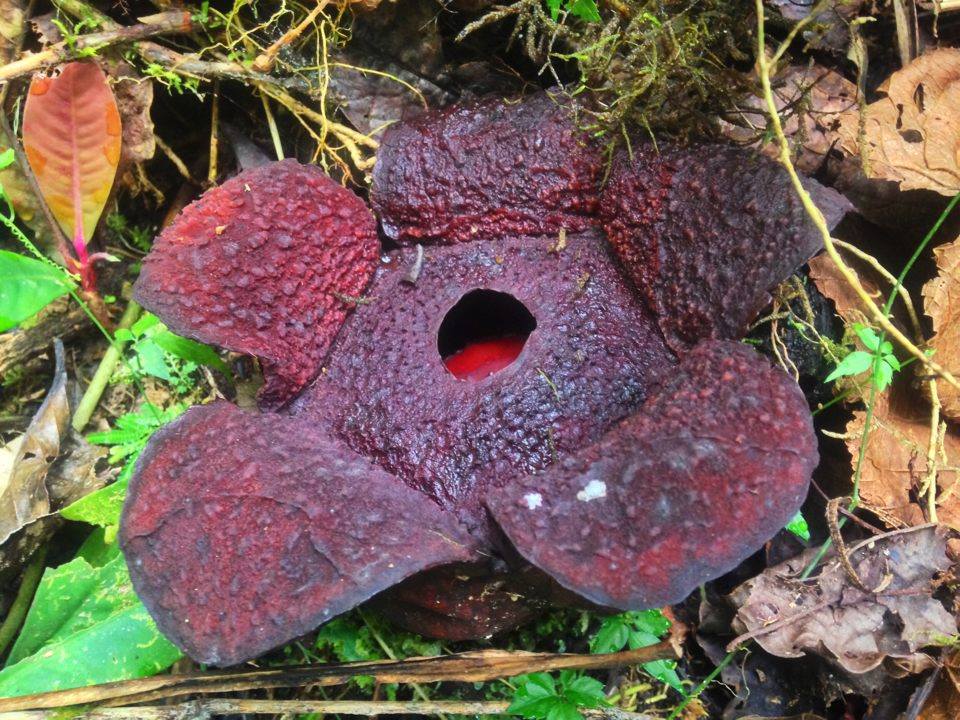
[
  {"x": 533, "y": 500},
  {"x": 594, "y": 490}
]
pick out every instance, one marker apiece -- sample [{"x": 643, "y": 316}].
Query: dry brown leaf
[
  {"x": 45, "y": 27},
  {"x": 51, "y": 468},
  {"x": 11, "y": 28},
  {"x": 831, "y": 617},
  {"x": 895, "y": 464},
  {"x": 830, "y": 29},
  {"x": 134, "y": 99},
  {"x": 23, "y": 494},
  {"x": 811, "y": 99},
  {"x": 833, "y": 286},
  {"x": 941, "y": 301},
  {"x": 912, "y": 134},
  {"x": 944, "y": 700}
]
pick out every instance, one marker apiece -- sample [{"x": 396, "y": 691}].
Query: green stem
[
  {"x": 21, "y": 603},
  {"x": 91, "y": 398},
  {"x": 698, "y": 690}
]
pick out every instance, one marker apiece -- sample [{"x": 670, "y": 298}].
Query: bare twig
[
  {"x": 464, "y": 667},
  {"x": 265, "y": 61},
  {"x": 173, "y": 22}
]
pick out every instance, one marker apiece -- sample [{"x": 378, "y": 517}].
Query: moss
[{"x": 663, "y": 65}]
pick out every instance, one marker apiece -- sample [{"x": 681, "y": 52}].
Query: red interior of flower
[
  {"x": 483, "y": 333},
  {"x": 482, "y": 359}
]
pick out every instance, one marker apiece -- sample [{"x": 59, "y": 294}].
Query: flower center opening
[{"x": 483, "y": 333}]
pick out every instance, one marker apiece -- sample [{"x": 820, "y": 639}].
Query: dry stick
[
  {"x": 464, "y": 667},
  {"x": 929, "y": 485},
  {"x": 214, "y": 70},
  {"x": 214, "y": 135},
  {"x": 369, "y": 708},
  {"x": 265, "y": 61},
  {"x": 172, "y": 156},
  {"x": 888, "y": 276},
  {"x": 174, "y": 22},
  {"x": 185, "y": 65},
  {"x": 417, "y": 687},
  {"x": 821, "y": 224},
  {"x": 272, "y": 125}
]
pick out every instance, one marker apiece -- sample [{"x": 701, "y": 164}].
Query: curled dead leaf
[
  {"x": 941, "y": 301},
  {"x": 829, "y": 616},
  {"x": 911, "y": 135},
  {"x": 50, "y": 467},
  {"x": 23, "y": 494},
  {"x": 134, "y": 100}
]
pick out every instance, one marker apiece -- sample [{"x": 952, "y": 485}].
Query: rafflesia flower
[{"x": 537, "y": 398}]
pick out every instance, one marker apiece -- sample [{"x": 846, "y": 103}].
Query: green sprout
[{"x": 878, "y": 359}]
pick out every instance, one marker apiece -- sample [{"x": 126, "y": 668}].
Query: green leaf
[
  {"x": 798, "y": 526},
  {"x": 651, "y": 621},
  {"x": 554, "y": 7},
  {"x": 584, "y": 691},
  {"x": 540, "y": 683},
  {"x": 584, "y": 9},
  {"x": 85, "y": 626},
  {"x": 853, "y": 364},
  {"x": 665, "y": 671},
  {"x": 97, "y": 549},
  {"x": 563, "y": 711},
  {"x": 612, "y": 635},
  {"x": 536, "y": 694},
  {"x": 101, "y": 507},
  {"x": 152, "y": 360},
  {"x": 883, "y": 376},
  {"x": 144, "y": 323},
  {"x": 187, "y": 349},
  {"x": 867, "y": 336},
  {"x": 6, "y": 158},
  {"x": 348, "y": 640},
  {"x": 26, "y": 287}
]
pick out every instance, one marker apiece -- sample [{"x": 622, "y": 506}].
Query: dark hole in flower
[{"x": 483, "y": 333}]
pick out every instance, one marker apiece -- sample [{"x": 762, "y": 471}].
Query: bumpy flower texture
[{"x": 535, "y": 398}]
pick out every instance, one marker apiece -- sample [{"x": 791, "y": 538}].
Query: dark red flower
[{"x": 545, "y": 401}]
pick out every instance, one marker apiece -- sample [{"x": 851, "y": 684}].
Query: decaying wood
[
  {"x": 464, "y": 667},
  {"x": 21, "y": 349}
]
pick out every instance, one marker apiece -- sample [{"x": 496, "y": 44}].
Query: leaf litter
[{"x": 830, "y": 616}]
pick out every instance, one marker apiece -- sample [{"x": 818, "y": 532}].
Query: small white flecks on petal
[
  {"x": 594, "y": 490},
  {"x": 533, "y": 500}
]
